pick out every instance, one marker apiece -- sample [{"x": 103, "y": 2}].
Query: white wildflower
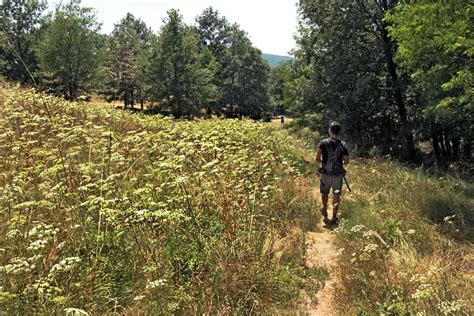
[
  {"x": 357, "y": 228},
  {"x": 65, "y": 265},
  {"x": 13, "y": 233},
  {"x": 139, "y": 297},
  {"x": 424, "y": 290},
  {"x": 156, "y": 284},
  {"x": 451, "y": 307},
  {"x": 368, "y": 234},
  {"x": 75, "y": 312},
  {"x": 37, "y": 245},
  {"x": 370, "y": 248},
  {"x": 449, "y": 218}
]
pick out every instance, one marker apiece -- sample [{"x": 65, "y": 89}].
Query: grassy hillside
[
  {"x": 107, "y": 211},
  {"x": 274, "y": 60},
  {"x": 407, "y": 242}
]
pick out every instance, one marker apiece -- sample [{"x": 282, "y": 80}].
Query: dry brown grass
[{"x": 404, "y": 251}]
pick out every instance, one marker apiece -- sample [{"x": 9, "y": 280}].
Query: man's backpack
[{"x": 333, "y": 165}]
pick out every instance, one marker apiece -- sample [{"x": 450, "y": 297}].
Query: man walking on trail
[
  {"x": 282, "y": 119},
  {"x": 333, "y": 154}
]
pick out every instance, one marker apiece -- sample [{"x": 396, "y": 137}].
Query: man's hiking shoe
[
  {"x": 324, "y": 212},
  {"x": 335, "y": 221}
]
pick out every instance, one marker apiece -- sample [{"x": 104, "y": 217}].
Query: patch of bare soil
[{"x": 322, "y": 251}]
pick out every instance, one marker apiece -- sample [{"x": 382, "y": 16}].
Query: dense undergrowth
[
  {"x": 407, "y": 242},
  {"x": 105, "y": 211}
]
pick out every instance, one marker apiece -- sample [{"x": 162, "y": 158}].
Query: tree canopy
[
  {"x": 394, "y": 73},
  {"x": 209, "y": 68},
  {"x": 241, "y": 75},
  {"x": 20, "y": 24},
  {"x": 123, "y": 54},
  {"x": 69, "y": 48},
  {"x": 436, "y": 47},
  {"x": 182, "y": 82}
]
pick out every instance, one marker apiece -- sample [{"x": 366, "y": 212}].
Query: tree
[
  {"x": 349, "y": 73},
  {"x": 241, "y": 74},
  {"x": 20, "y": 23},
  {"x": 245, "y": 89},
  {"x": 282, "y": 86},
  {"x": 213, "y": 31},
  {"x": 69, "y": 49},
  {"x": 124, "y": 53},
  {"x": 181, "y": 82},
  {"x": 436, "y": 47}
]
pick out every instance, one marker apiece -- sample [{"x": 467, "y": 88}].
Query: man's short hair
[{"x": 335, "y": 127}]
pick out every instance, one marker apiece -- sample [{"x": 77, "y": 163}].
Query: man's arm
[
  {"x": 319, "y": 155},
  {"x": 345, "y": 155}
]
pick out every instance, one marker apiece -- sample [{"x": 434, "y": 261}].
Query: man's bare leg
[
  {"x": 324, "y": 208},
  {"x": 336, "y": 201}
]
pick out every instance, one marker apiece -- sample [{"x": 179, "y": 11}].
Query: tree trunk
[
  {"x": 125, "y": 97},
  {"x": 141, "y": 98},
  {"x": 443, "y": 147},
  {"x": 455, "y": 148},
  {"x": 70, "y": 92},
  {"x": 436, "y": 148},
  {"x": 389, "y": 51},
  {"x": 467, "y": 149},
  {"x": 397, "y": 93},
  {"x": 132, "y": 98},
  {"x": 209, "y": 111},
  {"x": 447, "y": 144}
]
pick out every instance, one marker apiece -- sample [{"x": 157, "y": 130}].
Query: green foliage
[
  {"x": 436, "y": 46},
  {"x": 245, "y": 88},
  {"x": 185, "y": 70},
  {"x": 68, "y": 50},
  {"x": 124, "y": 53},
  {"x": 241, "y": 74},
  {"x": 344, "y": 59},
  {"x": 283, "y": 86},
  {"x": 395, "y": 73},
  {"x": 20, "y": 23},
  {"x": 182, "y": 81},
  {"x": 104, "y": 211},
  {"x": 213, "y": 31}
]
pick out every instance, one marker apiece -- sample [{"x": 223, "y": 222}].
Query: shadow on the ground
[
  {"x": 328, "y": 225},
  {"x": 455, "y": 218}
]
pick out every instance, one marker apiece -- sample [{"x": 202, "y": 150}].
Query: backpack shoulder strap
[
  {"x": 328, "y": 145},
  {"x": 343, "y": 145},
  {"x": 340, "y": 145}
]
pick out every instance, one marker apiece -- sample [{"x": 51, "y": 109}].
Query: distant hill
[{"x": 274, "y": 60}]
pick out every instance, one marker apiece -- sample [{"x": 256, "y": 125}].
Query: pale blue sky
[{"x": 270, "y": 24}]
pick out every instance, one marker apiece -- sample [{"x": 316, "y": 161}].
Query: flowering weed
[{"x": 105, "y": 211}]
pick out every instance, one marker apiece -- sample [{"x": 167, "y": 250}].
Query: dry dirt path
[{"x": 322, "y": 251}]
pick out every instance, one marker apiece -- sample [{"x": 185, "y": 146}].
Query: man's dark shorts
[{"x": 329, "y": 181}]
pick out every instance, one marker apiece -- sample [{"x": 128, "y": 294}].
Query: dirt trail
[{"x": 322, "y": 251}]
